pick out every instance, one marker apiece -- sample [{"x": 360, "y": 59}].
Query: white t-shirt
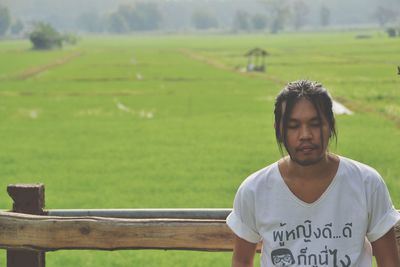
[{"x": 336, "y": 230}]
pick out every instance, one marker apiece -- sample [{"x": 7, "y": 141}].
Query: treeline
[
  {"x": 231, "y": 15},
  {"x": 251, "y": 16},
  {"x": 127, "y": 18},
  {"x": 178, "y": 16},
  {"x": 149, "y": 16},
  {"x": 9, "y": 24},
  {"x": 122, "y": 17}
]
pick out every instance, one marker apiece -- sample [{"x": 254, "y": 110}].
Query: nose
[{"x": 305, "y": 133}]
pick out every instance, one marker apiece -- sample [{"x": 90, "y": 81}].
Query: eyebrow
[{"x": 312, "y": 119}]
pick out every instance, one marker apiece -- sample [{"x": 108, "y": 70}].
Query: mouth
[{"x": 307, "y": 148}]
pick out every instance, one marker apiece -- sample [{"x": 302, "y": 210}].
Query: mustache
[{"x": 308, "y": 145}]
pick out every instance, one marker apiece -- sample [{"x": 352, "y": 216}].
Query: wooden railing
[{"x": 28, "y": 231}]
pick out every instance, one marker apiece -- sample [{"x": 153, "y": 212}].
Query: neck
[{"x": 310, "y": 171}]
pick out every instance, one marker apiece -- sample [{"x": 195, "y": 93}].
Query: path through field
[{"x": 337, "y": 107}]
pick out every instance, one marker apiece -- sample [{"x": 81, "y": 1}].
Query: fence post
[{"x": 29, "y": 199}]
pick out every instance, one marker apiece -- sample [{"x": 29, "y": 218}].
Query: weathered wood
[
  {"x": 27, "y": 236},
  {"x": 21, "y": 231},
  {"x": 27, "y": 199},
  {"x": 209, "y": 214},
  {"x": 54, "y": 233}
]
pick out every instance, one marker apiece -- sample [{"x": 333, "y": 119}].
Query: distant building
[{"x": 256, "y": 60}]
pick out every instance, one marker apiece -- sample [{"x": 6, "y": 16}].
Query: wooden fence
[{"x": 28, "y": 231}]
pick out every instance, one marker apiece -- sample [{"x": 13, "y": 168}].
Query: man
[{"x": 312, "y": 207}]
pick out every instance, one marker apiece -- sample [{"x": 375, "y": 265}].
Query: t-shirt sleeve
[
  {"x": 242, "y": 219},
  {"x": 382, "y": 214}
]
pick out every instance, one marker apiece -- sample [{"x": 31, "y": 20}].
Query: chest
[
  {"x": 330, "y": 230},
  {"x": 305, "y": 213},
  {"x": 308, "y": 191}
]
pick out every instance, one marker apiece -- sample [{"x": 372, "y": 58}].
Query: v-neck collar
[{"x": 321, "y": 197}]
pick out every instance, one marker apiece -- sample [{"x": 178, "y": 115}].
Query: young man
[{"x": 312, "y": 208}]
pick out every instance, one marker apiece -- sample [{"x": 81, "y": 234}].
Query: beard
[
  {"x": 309, "y": 161},
  {"x": 306, "y": 162}
]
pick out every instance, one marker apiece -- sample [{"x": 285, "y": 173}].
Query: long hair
[{"x": 290, "y": 95}]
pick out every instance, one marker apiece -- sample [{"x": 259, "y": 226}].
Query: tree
[
  {"x": 70, "y": 38},
  {"x": 17, "y": 27},
  {"x": 259, "y": 21},
  {"x": 117, "y": 23},
  {"x": 241, "y": 21},
  {"x": 203, "y": 20},
  {"x": 140, "y": 17},
  {"x": 149, "y": 16},
  {"x": 385, "y": 15},
  {"x": 391, "y": 32},
  {"x": 90, "y": 22},
  {"x": 325, "y": 16},
  {"x": 5, "y": 20},
  {"x": 279, "y": 12},
  {"x": 44, "y": 37},
  {"x": 300, "y": 11}
]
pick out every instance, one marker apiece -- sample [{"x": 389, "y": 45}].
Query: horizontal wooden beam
[
  {"x": 49, "y": 233},
  {"x": 21, "y": 231}
]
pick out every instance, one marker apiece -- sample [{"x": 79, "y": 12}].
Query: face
[
  {"x": 305, "y": 131},
  {"x": 282, "y": 258},
  {"x": 282, "y": 261}
]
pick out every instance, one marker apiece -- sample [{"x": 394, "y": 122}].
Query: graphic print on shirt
[
  {"x": 324, "y": 256},
  {"x": 282, "y": 257}
]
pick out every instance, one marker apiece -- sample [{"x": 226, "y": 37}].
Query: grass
[{"x": 149, "y": 121}]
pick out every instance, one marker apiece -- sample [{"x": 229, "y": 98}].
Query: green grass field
[{"x": 170, "y": 122}]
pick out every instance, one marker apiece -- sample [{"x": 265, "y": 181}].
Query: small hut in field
[{"x": 256, "y": 60}]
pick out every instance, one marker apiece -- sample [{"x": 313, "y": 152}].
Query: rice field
[{"x": 173, "y": 122}]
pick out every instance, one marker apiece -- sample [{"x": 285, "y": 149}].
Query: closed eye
[
  {"x": 315, "y": 124},
  {"x": 293, "y": 126}
]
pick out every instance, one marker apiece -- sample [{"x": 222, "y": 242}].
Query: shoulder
[
  {"x": 359, "y": 172},
  {"x": 260, "y": 179}
]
